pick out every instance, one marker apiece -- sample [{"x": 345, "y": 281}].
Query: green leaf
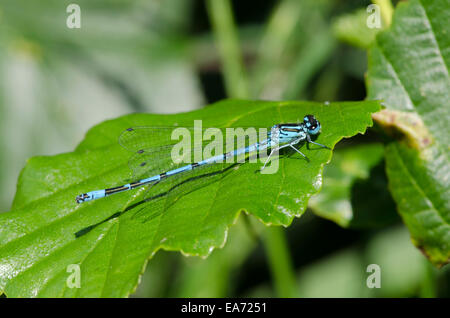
[
  {"x": 355, "y": 192},
  {"x": 408, "y": 68},
  {"x": 37, "y": 238}
]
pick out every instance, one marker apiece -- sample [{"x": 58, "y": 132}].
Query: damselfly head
[{"x": 311, "y": 124}]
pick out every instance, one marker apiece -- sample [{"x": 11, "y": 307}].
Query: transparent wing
[
  {"x": 151, "y": 161},
  {"x": 161, "y": 196},
  {"x": 154, "y": 153},
  {"x": 138, "y": 138},
  {"x": 145, "y": 137}
]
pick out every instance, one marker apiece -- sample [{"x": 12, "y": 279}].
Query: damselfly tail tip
[{"x": 81, "y": 198}]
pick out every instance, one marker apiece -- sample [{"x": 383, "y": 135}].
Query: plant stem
[
  {"x": 221, "y": 17},
  {"x": 309, "y": 62},
  {"x": 386, "y": 9},
  {"x": 280, "y": 262},
  {"x": 428, "y": 288}
]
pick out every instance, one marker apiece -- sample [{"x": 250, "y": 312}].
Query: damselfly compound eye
[{"x": 311, "y": 124}]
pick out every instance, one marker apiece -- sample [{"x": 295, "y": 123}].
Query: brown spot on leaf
[{"x": 406, "y": 126}]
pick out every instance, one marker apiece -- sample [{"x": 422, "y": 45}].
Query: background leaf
[
  {"x": 37, "y": 238},
  {"x": 409, "y": 69},
  {"x": 355, "y": 194}
]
